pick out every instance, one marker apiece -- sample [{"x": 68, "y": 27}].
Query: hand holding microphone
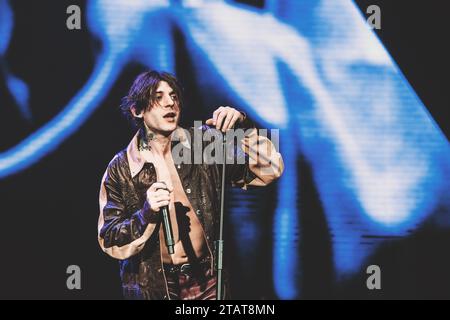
[{"x": 158, "y": 197}]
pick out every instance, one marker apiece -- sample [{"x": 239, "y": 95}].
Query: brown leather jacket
[{"x": 125, "y": 230}]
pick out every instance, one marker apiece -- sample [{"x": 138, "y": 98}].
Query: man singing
[{"x": 147, "y": 176}]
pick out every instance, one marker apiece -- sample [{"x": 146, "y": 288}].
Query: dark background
[{"x": 50, "y": 210}]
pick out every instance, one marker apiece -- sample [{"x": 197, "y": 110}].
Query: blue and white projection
[{"x": 313, "y": 69}]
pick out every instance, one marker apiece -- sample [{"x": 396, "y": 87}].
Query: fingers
[
  {"x": 161, "y": 203},
  {"x": 160, "y": 185},
  {"x": 230, "y": 120},
  {"x": 156, "y": 201},
  {"x": 215, "y": 115},
  {"x": 161, "y": 195},
  {"x": 156, "y": 205},
  {"x": 158, "y": 195},
  {"x": 156, "y": 186},
  {"x": 221, "y": 117},
  {"x": 224, "y": 118}
]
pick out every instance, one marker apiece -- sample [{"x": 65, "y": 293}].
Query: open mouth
[{"x": 170, "y": 116}]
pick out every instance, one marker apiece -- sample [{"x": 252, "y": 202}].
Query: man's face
[{"x": 163, "y": 116}]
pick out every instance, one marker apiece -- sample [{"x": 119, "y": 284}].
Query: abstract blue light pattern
[
  {"x": 17, "y": 87},
  {"x": 312, "y": 69}
]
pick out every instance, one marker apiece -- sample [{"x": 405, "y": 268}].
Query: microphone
[
  {"x": 168, "y": 234},
  {"x": 167, "y": 228}
]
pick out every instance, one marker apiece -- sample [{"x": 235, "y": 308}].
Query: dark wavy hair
[{"x": 142, "y": 93}]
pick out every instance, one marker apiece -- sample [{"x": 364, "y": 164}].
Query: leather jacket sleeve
[{"x": 121, "y": 234}]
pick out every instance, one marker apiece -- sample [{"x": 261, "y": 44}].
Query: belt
[{"x": 187, "y": 267}]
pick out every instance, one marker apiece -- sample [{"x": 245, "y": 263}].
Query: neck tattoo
[
  {"x": 148, "y": 137},
  {"x": 145, "y": 141}
]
